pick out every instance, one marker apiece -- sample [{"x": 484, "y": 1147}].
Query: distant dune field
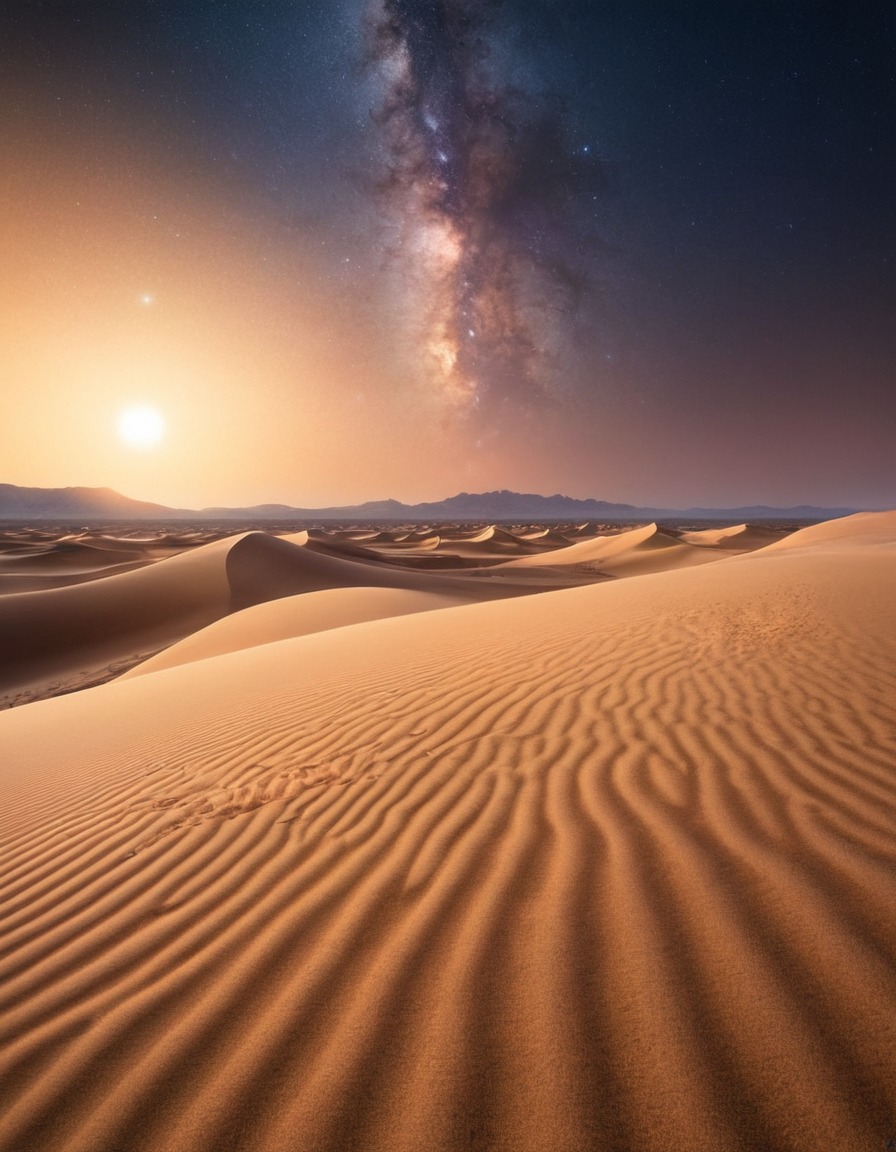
[{"x": 524, "y": 840}]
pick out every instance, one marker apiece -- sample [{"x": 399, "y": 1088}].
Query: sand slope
[
  {"x": 636, "y": 551},
  {"x": 59, "y": 631},
  {"x": 613, "y": 868},
  {"x": 293, "y": 616},
  {"x": 77, "y": 610},
  {"x": 56, "y": 639},
  {"x": 869, "y": 528},
  {"x": 736, "y": 538}
]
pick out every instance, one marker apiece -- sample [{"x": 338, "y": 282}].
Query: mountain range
[{"x": 18, "y": 503}]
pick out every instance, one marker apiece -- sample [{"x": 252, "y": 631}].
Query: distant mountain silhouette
[
  {"x": 105, "y": 504},
  {"x": 75, "y": 503}
]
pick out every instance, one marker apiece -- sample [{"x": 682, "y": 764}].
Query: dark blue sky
[{"x": 632, "y": 250}]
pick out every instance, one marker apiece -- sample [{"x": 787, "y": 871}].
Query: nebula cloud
[{"x": 482, "y": 183}]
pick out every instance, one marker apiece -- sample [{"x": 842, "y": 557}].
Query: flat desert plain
[{"x": 530, "y": 839}]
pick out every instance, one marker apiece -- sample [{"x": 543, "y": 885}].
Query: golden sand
[{"x": 398, "y": 865}]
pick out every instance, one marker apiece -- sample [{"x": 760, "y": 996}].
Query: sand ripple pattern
[{"x": 609, "y": 869}]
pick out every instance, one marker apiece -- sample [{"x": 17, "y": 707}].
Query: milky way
[{"x": 480, "y": 176}]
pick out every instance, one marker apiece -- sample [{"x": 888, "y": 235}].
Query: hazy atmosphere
[{"x": 333, "y": 252}]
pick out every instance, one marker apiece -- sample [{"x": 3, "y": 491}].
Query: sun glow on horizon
[{"x": 141, "y": 426}]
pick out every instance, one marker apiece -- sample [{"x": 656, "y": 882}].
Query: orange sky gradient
[
  {"x": 139, "y": 275},
  {"x": 273, "y": 383}
]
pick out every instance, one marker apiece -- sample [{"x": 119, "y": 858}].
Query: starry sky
[{"x": 353, "y": 249}]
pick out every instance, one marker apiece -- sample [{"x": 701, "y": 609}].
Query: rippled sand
[{"x": 611, "y": 867}]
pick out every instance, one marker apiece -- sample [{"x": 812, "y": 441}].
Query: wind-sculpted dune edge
[
  {"x": 64, "y": 632},
  {"x": 292, "y": 616},
  {"x": 57, "y": 639},
  {"x": 611, "y": 868},
  {"x": 78, "y": 610}
]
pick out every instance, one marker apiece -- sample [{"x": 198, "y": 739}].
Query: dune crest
[
  {"x": 292, "y": 616},
  {"x": 64, "y": 637},
  {"x": 635, "y": 551},
  {"x": 871, "y": 528},
  {"x": 53, "y": 632}
]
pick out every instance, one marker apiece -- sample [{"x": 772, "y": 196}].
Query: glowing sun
[{"x": 141, "y": 426}]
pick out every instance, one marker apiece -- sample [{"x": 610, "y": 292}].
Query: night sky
[{"x": 367, "y": 248}]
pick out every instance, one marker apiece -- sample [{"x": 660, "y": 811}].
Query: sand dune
[
  {"x": 736, "y": 538},
  {"x": 69, "y": 635},
  {"x": 414, "y": 543},
  {"x": 870, "y": 528},
  {"x": 40, "y": 581},
  {"x": 64, "y": 561},
  {"x": 261, "y": 567},
  {"x": 56, "y": 639},
  {"x": 492, "y": 543},
  {"x": 636, "y": 551},
  {"x": 68, "y": 554},
  {"x": 488, "y": 539},
  {"x": 31, "y": 562},
  {"x": 711, "y": 537},
  {"x": 64, "y": 631},
  {"x": 293, "y": 616},
  {"x": 611, "y": 868}
]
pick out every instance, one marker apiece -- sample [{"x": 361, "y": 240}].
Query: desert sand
[{"x": 430, "y": 840}]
